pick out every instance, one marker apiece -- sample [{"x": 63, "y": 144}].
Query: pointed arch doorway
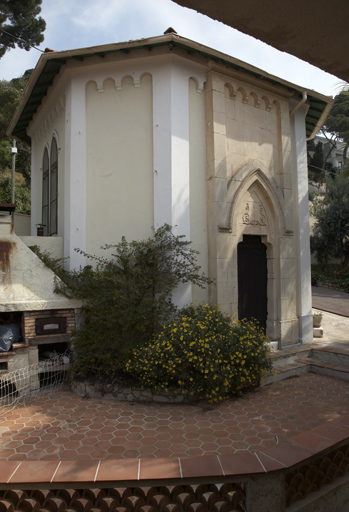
[{"x": 252, "y": 279}]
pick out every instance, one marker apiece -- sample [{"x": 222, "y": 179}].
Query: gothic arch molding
[
  {"x": 251, "y": 186},
  {"x": 240, "y": 184},
  {"x": 55, "y": 136}
]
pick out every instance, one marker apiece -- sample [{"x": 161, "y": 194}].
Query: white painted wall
[
  {"x": 124, "y": 140},
  {"x": 59, "y": 133},
  {"x": 75, "y": 172},
  {"x": 197, "y": 183},
  {"x": 172, "y": 148},
  {"x": 22, "y": 224},
  {"x": 302, "y": 229},
  {"x": 119, "y": 190},
  {"x": 51, "y": 244},
  {"x": 26, "y": 282}
]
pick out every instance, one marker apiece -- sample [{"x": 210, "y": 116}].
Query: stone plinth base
[
  {"x": 318, "y": 332},
  {"x": 130, "y": 394}
]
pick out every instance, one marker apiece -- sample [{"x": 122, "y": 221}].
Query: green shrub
[
  {"x": 202, "y": 352},
  {"x": 330, "y": 237},
  {"x": 22, "y": 194},
  {"x": 311, "y": 194},
  {"x": 332, "y": 275},
  {"x": 126, "y": 296}
]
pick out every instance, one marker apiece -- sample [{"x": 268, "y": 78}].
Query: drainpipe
[{"x": 303, "y": 100}]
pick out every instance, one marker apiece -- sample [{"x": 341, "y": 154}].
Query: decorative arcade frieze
[{"x": 229, "y": 497}]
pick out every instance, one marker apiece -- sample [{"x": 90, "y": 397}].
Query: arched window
[
  {"x": 53, "y": 187},
  {"x": 49, "y": 189},
  {"x": 45, "y": 192}
]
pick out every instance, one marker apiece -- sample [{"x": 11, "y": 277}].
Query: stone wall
[
  {"x": 250, "y": 167},
  {"x": 111, "y": 391}
]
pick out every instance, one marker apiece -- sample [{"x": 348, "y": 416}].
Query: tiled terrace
[{"x": 64, "y": 426}]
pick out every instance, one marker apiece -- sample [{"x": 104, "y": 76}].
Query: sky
[{"x": 74, "y": 24}]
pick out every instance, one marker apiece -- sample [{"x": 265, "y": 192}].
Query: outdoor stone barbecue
[{"x": 40, "y": 322}]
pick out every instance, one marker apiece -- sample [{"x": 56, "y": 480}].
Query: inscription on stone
[{"x": 254, "y": 214}]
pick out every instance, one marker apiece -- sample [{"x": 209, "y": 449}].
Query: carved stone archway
[{"x": 254, "y": 207}]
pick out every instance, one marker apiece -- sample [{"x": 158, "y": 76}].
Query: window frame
[{"x": 49, "y": 210}]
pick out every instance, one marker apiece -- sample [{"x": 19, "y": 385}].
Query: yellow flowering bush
[{"x": 203, "y": 352}]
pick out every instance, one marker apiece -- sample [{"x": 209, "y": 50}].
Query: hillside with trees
[
  {"x": 20, "y": 26},
  {"x": 10, "y": 95},
  {"x": 335, "y": 133},
  {"x": 330, "y": 238}
]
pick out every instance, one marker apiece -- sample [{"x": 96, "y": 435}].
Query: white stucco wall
[
  {"x": 145, "y": 146},
  {"x": 26, "y": 282},
  {"x": 22, "y": 224},
  {"x": 119, "y": 191},
  {"x": 123, "y": 131},
  {"x": 301, "y": 224},
  {"x": 51, "y": 244},
  {"x": 197, "y": 182}
]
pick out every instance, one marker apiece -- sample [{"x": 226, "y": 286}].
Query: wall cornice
[{"x": 248, "y": 79}]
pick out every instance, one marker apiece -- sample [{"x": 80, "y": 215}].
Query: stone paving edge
[{"x": 283, "y": 455}]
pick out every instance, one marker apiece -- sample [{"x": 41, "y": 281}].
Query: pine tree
[{"x": 20, "y": 24}]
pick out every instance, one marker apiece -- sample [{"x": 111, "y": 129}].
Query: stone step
[
  {"x": 286, "y": 371},
  {"x": 341, "y": 371},
  {"x": 327, "y": 360},
  {"x": 331, "y": 354},
  {"x": 282, "y": 357}
]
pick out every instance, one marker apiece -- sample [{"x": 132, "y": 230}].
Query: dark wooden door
[{"x": 252, "y": 279}]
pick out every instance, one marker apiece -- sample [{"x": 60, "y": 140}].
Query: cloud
[{"x": 100, "y": 16}]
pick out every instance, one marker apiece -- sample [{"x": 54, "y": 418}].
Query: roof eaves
[{"x": 50, "y": 63}]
